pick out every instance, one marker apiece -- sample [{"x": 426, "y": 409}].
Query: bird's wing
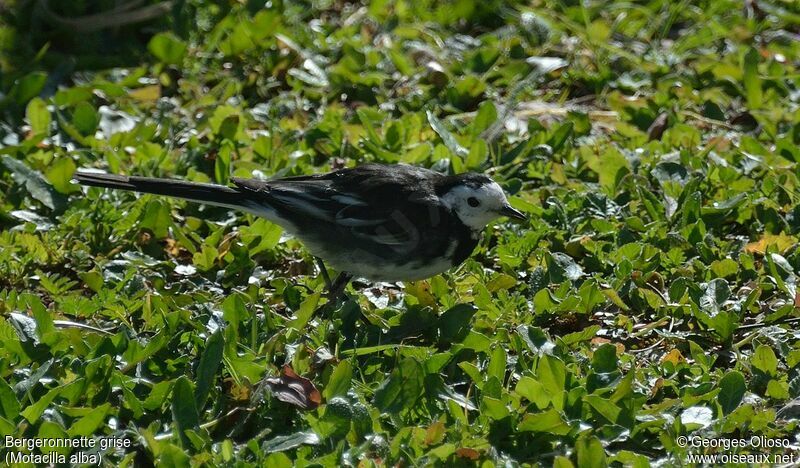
[
  {"x": 307, "y": 197},
  {"x": 390, "y": 228},
  {"x": 369, "y": 209}
]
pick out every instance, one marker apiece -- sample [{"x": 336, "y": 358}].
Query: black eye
[{"x": 473, "y": 202}]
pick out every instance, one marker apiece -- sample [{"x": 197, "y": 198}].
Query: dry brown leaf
[
  {"x": 172, "y": 247},
  {"x": 146, "y": 94},
  {"x": 435, "y": 433},
  {"x": 466, "y": 452},
  {"x": 674, "y": 357},
  {"x": 656, "y": 387},
  {"x": 235, "y": 391},
  {"x": 294, "y": 389},
  {"x": 422, "y": 291},
  {"x": 657, "y": 128},
  {"x": 780, "y": 241}
]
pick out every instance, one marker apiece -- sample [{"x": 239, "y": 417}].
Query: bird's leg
[
  {"x": 337, "y": 288},
  {"x": 324, "y": 272}
]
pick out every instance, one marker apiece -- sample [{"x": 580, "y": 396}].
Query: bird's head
[{"x": 477, "y": 200}]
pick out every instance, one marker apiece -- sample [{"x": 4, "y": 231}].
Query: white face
[{"x": 476, "y": 207}]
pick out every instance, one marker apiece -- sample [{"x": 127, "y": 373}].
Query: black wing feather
[{"x": 376, "y": 203}]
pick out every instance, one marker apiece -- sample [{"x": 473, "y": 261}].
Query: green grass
[{"x": 652, "y": 295}]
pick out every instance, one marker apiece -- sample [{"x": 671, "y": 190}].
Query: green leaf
[
  {"x": 88, "y": 424},
  {"x": 447, "y": 138},
  {"x": 591, "y": 296},
  {"x": 604, "y": 358},
  {"x": 716, "y": 293},
  {"x": 732, "y": 387},
  {"x": 33, "y": 412},
  {"x": 157, "y": 218},
  {"x": 478, "y": 153},
  {"x": 43, "y": 317},
  {"x": 534, "y": 391},
  {"x": 60, "y": 173},
  {"x": 536, "y": 339},
  {"x": 85, "y": 118},
  {"x": 609, "y": 164},
  {"x": 51, "y": 430},
  {"x": 335, "y": 421},
  {"x": 229, "y": 127},
  {"x": 764, "y": 360},
  {"x": 590, "y": 452},
  {"x": 340, "y": 380},
  {"x": 476, "y": 341},
  {"x": 494, "y": 408},
  {"x": 206, "y": 258},
  {"x": 725, "y": 267},
  {"x": 209, "y": 364},
  {"x": 454, "y": 323},
  {"x": 752, "y": 81},
  {"x": 261, "y": 235},
  {"x": 604, "y": 407},
  {"x": 497, "y": 364},
  {"x": 549, "y": 422},
  {"x": 184, "y": 409},
  {"x": 485, "y": 117},
  {"x": 305, "y": 312},
  {"x": 563, "y": 462},
  {"x": 222, "y": 163},
  {"x": 167, "y": 48},
  {"x": 500, "y": 282},
  {"x": 690, "y": 209},
  {"x": 171, "y": 455},
  {"x": 778, "y": 390},
  {"x": 551, "y": 372},
  {"x": 158, "y": 395},
  {"x": 473, "y": 372},
  {"x": 9, "y": 406},
  {"x": 234, "y": 311},
  {"x": 584, "y": 335},
  {"x": 562, "y": 267},
  {"x": 724, "y": 324},
  {"x": 366, "y": 119},
  {"x": 35, "y": 183},
  {"x": 403, "y": 387},
  {"x": 28, "y": 87},
  {"x": 560, "y": 136},
  {"x": 66, "y": 97},
  {"x": 38, "y": 116},
  {"x": 466, "y": 92}
]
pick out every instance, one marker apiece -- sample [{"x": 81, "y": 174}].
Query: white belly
[{"x": 366, "y": 265}]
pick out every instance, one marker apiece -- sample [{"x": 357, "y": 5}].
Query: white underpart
[
  {"x": 264, "y": 211},
  {"x": 250, "y": 207},
  {"x": 373, "y": 267},
  {"x": 491, "y": 200}
]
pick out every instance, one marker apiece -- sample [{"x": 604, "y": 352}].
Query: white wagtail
[{"x": 380, "y": 222}]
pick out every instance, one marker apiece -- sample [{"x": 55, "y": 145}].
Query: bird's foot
[{"x": 336, "y": 289}]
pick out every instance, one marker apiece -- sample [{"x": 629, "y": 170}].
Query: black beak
[{"x": 511, "y": 212}]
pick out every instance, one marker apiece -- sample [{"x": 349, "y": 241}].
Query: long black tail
[{"x": 204, "y": 193}]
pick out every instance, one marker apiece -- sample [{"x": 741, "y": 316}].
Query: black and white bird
[{"x": 380, "y": 222}]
